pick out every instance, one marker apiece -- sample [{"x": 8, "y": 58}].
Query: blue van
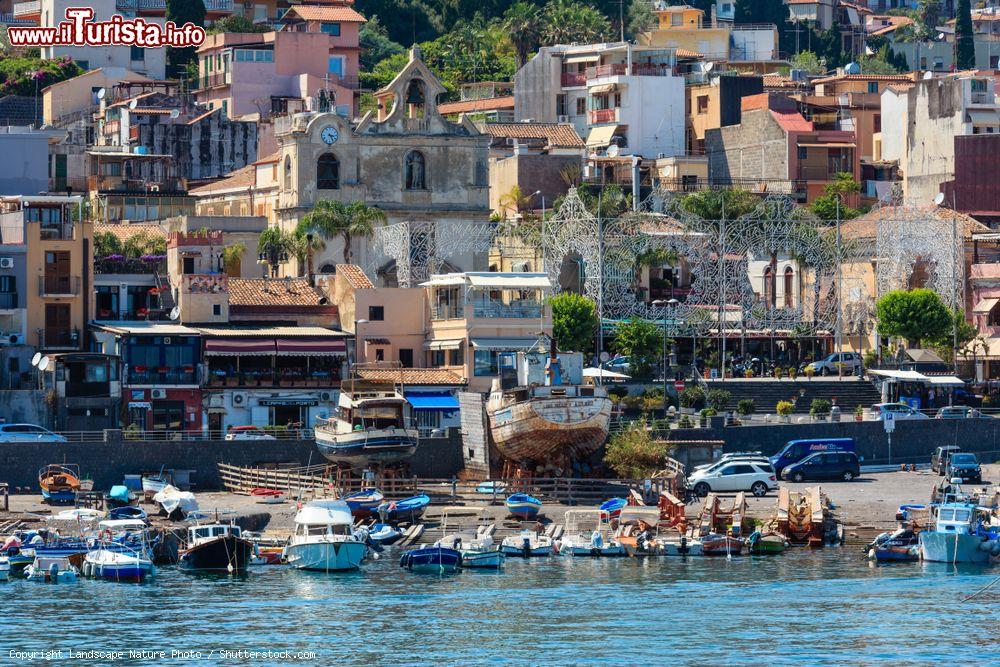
[{"x": 796, "y": 450}]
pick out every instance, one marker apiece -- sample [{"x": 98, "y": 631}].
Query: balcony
[
  {"x": 815, "y": 173},
  {"x": 622, "y": 69},
  {"x": 56, "y": 231},
  {"x": 573, "y": 79},
  {"x": 8, "y": 300},
  {"x": 448, "y": 312},
  {"x": 113, "y": 184},
  {"x": 146, "y": 265},
  {"x": 143, "y": 375},
  {"x": 52, "y": 339},
  {"x": 25, "y": 9},
  {"x": 214, "y": 80},
  {"x": 516, "y": 310},
  {"x": 155, "y": 5},
  {"x": 982, "y": 97},
  {"x": 58, "y": 285},
  {"x": 327, "y": 379},
  {"x": 599, "y": 116}
]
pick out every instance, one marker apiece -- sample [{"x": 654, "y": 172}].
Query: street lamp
[{"x": 672, "y": 305}]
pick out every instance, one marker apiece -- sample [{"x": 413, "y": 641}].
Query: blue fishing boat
[
  {"x": 363, "y": 503},
  {"x": 409, "y": 509},
  {"x": 523, "y": 506},
  {"x": 613, "y": 507},
  {"x": 436, "y": 560},
  {"x": 384, "y": 534}
]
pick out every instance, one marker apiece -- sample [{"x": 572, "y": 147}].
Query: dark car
[
  {"x": 824, "y": 465},
  {"x": 939, "y": 459},
  {"x": 965, "y": 466}
]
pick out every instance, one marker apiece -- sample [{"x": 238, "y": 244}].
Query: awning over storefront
[
  {"x": 603, "y": 88},
  {"x": 582, "y": 59},
  {"x": 452, "y": 344},
  {"x": 601, "y": 135},
  {"x": 915, "y": 376},
  {"x": 504, "y": 344},
  {"x": 945, "y": 381},
  {"x": 239, "y": 347},
  {"x": 985, "y": 305},
  {"x": 295, "y": 347},
  {"x": 437, "y": 400},
  {"x": 983, "y": 117}
]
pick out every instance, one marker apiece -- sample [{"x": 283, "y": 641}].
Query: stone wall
[
  {"x": 912, "y": 441},
  {"x": 25, "y": 406}
]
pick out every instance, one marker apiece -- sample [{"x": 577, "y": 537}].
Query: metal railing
[
  {"x": 58, "y": 285},
  {"x": 138, "y": 5},
  {"x": 165, "y": 376},
  {"x": 140, "y": 435},
  {"x": 57, "y": 231},
  {"x": 215, "y": 79},
  {"x": 983, "y": 98},
  {"x": 508, "y": 311},
  {"x": 8, "y": 300},
  {"x": 129, "y": 265},
  {"x": 595, "y": 116},
  {"x": 573, "y": 79},
  {"x": 280, "y": 378},
  {"x": 622, "y": 69},
  {"x": 455, "y": 312},
  {"x": 48, "y": 340},
  {"x": 27, "y": 8}
]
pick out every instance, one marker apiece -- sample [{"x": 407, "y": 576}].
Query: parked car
[
  {"x": 757, "y": 477},
  {"x": 796, "y": 450},
  {"x": 248, "y": 433},
  {"x": 958, "y": 412},
  {"x": 824, "y": 465},
  {"x": 851, "y": 362},
  {"x": 965, "y": 466},
  {"x": 734, "y": 456},
  {"x": 899, "y": 412},
  {"x": 939, "y": 459},
  {"x": 28, "y": 433}
]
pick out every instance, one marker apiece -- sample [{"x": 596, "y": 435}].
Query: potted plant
[
  {"x": 819, "y": 408},
  {"x": 810, "y": 371},
  {"x": 705, "y": 414},
  {"x": 746, "y": 407},
  {"x": 793, "y": 372},
  {"x": 684, "y": 422},
  {"x": 859, "y": 413},
  {"x": 748, "y": 373},
  {"x": 784, "y": 410}
]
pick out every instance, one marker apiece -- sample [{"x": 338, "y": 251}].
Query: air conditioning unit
[
  {"x": 563, "y": 119},
  {"x": 239, "y": 399},
  {"x": 512, "y": 141},
  {"x": 158, "y": 393},
  {"x": 15, "y": 339},
  {"x": 166, "y": 340},
  {"x": 6, "y": 262},
  {"x": 326, "y": 396},
  {"x": 214, "y": 400}
]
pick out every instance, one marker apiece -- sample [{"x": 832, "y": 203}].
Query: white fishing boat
[
  {"x": 117, "y": 562},
  {"x": 475, "y": 542},
  {"x": 588, "y": 533},
  {"x": 527, "y": 544},
  {"x": 541, "y": 418},
  {"x": 960, "y": 533},
  {"x": 373, "y": 424},
  {"x": 324, "y": 539},
  {"x": 640, "y": 534},
  {"x": 51, "y": 569}
]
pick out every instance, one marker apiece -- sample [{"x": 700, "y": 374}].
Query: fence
[{"x": 119, "y": 435}]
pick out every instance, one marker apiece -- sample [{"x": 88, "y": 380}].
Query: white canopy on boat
[
  {"x": 325, "y": 513},
  {"x": 594, "y": 372},
  {"x": 632, "y": 513},
  {"x": 122, "y": 524}
]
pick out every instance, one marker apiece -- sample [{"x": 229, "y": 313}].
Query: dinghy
[
  {"x": 523, "y": 506},
  {"x": 363, "y": 503},
  {"x": 409, "y": 509},
  {"x": 527, "y": 544},
  {"x": 432, "y": 560}
]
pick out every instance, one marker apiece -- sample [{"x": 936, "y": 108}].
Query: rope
[{"x": 984, "y": 588}]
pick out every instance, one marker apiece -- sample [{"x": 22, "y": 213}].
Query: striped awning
[
  {"x": 239, "y": 347},
  {"x": 299, "y": 347}
]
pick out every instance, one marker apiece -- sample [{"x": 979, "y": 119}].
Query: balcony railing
[
  {"x": 279, "y": 378},
  {"x": 571, "y": 79},
  {"x": 27, "y": 8},
  {"x": 810, "y": 173},
  {"x": 7, "y": 18},
  {"x": 447, "y": 312},
  {"x": 596, "y": 116},
  {"x": 215, "y": 79},
  {"x": 8, "y": 300},
  {"x": 523, "y": 310},
  {"x": 983, "y": 98},
  {"x": 56, "y": 231},
  {"x": 140, "y": 5},
  {"x": 88, "y": 389},
  {"x": 105, "y": 266},
  {"x": 50, "y": 339},
  {"x": 58, "y": 285},
  {"x": 163, "y": 375},
  {"x": 622, "y": 69}
]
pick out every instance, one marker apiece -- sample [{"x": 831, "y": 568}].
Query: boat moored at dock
[{"x": 324, "y": 539}]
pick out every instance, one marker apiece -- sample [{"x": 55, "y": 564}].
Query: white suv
[
  {"x": 828, "y": 366},
  {"x": 757, "y": 477}
]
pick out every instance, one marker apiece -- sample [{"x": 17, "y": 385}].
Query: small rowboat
[
  {"x": 408, "y": 508},
  {"x": 523, "y": 506},
  {"x": 364, "y": 502},
  {"x": 613, "y": 507},
  {"x": 59, "y": 483},
  {"x": 384, "y": 534},
  {"x": 770, "y": 543},
  {"x": 268, "y": 496},
  {"x": 434, "y": 560}
]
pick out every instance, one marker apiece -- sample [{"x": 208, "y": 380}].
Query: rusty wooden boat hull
[{"x": 545, "y": 429}]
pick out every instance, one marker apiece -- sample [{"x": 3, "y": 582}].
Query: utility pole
[{"x": 840, "y": 279}]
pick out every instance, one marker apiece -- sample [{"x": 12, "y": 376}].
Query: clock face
[{"x": 329, "y": 135}]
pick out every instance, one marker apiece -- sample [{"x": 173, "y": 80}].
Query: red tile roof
[
  {"x": 411, "y": 376},
  {"x": 865, "y": 77},
  {"x": 317, "y": 13},
  {"x": 126, "y": 231},
  {"x": 866, "y": 226},
  {"x": 792, "y": 121},
  {"x": 354, "y": 276},
  {"x": 468, "y": 106},
  {"x": 243, "y": 177},
  {"x": 278, "y": 292},
  {"x": 557, "y": 134}
]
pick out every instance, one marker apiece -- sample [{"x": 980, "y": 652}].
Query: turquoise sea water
[{"x": 804, "y": 607}]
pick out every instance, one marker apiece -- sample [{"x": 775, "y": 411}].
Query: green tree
[
  {"x": 965, "y": 46},
  {"x": 237, "y": 23},
  {"x": 928, "y": 17},
  {"x": 833, "y": 203},
  {"x": 809, "y": 62},
  {"x": 640, "y": 340},
  {"x": 639, "y": 19},
  {"x": 522, "y": 23},
  {"x": 232, "y": 258},
  {"x": 830, "y": 46},
  {"x": 275, "y": 244},
  {"x": 960, "y": 332},
  {"x": 730, "y": 203},
  {"x": 376, "y": 45},
  {"x": 574, "y": 321},
  {"x": 566, "y": 21},
  {"x": 914, "y": 315},
  {"x": 634, "y": 453},
  {"x": 330, "y": 218},
  {"x": 182, "y": 12},
  {"x": 884, "y": 61}
]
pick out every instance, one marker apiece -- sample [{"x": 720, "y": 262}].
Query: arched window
[
  {"x": 768, "y": 293},
  {"x": 415, "y": 171},
  {"x": 789, "y": 279},
  {"x": 288, "y": 172},
  {"x": 328, "y": 172}
]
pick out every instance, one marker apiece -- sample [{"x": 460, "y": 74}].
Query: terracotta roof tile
[
  {"x": 866, "y": 226},
  {"x": 865, "y": 77},
  {"x": 778, "y": 81},
  {"x": 686, "y": 53},
  {"x": 354, "y": 276},
  {"x": 260, "y": 292},
  {"x": 468, "y": 106},
  {"x": 316, "y": 13},
  {"x": 243, "y": 177},
  {"x": 792, "y": 122},
  {"x": 411, "y": 376},
  {"x": 125, "y": 231},
  {"x": 557, "y": 134}
]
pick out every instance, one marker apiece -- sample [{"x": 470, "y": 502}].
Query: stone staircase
[{"x": 766, "y": 393}]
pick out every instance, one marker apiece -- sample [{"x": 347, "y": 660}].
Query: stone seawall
[
  {"x": 912, "y": 441},
  {"x": 108, "y": 462}
]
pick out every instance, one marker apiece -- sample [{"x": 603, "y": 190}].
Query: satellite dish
[
  {"x": 175, "y": 313},
  {"x": 605, "y": 356},
  {"x": 940, "y": 35},
  {"x": 102, "y": 93},
  {"x": 44, "y": 363},
  {"x": 709, "y": 66},
  {"x": 613, "y": 150},
  {"x": 939, "y": 198},
  {"x": 133, "y": 104},
  {"x": 35, "y": 359},
  {"x": 175, "y": 113},
  {"x": 928, "y": 75},
  {"x": 852, "y": 68}
]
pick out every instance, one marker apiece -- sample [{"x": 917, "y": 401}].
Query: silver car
[
  {"x": 28, "y": 433},
  {"x": 851, "y": 362},
  {"x": 899, "y": 411}
]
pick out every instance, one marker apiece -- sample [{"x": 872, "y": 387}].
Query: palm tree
[
  {"x": 232, "y": 259},
  {"x": 565, "y": 22},
  {"x": 274, "y": 247},
  {"x": 335, "y": 218},
  {"x": 515, "y": 200},
  {"x": 522, "y": 22}
]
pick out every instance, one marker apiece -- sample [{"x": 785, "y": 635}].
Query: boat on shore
[
  {"x": 372, "y": 425},
  {"x": 527, "y": 544},
  {"x": 523, "y": 506},
  {"x": 475, "y": 542},
  {"x": 216, "y": 547},
  {"x": 59, "y": 483},
  {"x": 431, "y": 560},
  {"x": 153, "y": 484},
  {"x": 408, "y": 509},
  {"x": 363, "y": 503},
  {"x": 324, "y": 539}
]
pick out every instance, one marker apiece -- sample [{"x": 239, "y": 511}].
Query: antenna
[
  {"x": 133, "y": 104},
  {"x": 175, "y": 313},
  {"x": 44, "y": 363},
  {"x": 175, "y": 114},
  {"x": 35, "y": 359}
]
